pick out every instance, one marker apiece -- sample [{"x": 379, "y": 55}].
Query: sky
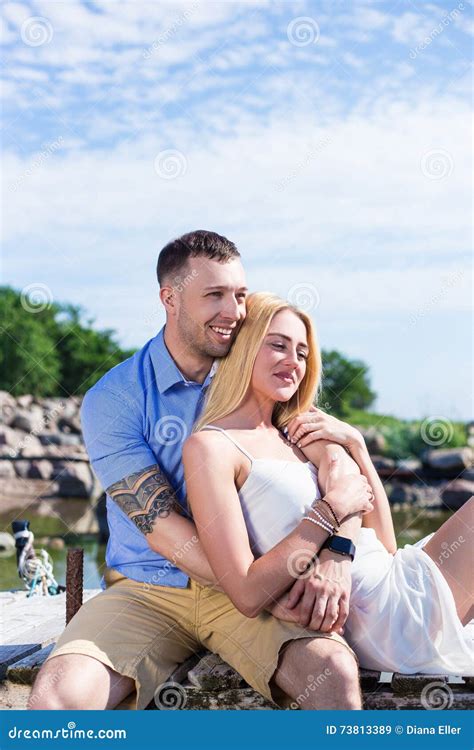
[{"x": 329, "y": 140}]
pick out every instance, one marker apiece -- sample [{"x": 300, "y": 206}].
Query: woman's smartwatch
[{"x": 340, "y": 544}]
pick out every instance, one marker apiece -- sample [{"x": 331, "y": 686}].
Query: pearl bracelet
[
  {"x": 325, "y": 520},
  {"x": 318, "y": 523}
]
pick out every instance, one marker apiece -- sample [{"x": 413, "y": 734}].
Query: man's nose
[{"x": 231, "y": 309}]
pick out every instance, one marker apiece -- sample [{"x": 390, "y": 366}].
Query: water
[{"x": 410, "y": 525}]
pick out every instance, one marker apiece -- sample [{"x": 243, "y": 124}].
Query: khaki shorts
[{"x": 145, "y": 631}]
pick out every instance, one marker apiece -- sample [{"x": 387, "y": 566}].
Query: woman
[{"x": 249, "y": 488}]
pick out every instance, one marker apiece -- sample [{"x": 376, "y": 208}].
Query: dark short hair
[{"x": 173, "y": 258}]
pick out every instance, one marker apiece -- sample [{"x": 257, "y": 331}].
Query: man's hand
[
  {"x": 317, "y": 425},
  {"x": 320, "y": 599}
]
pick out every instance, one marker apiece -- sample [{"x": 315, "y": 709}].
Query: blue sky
[{"x": 329, "y": 140}]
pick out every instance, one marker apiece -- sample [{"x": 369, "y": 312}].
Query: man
[{"x": 153, "y": 614}]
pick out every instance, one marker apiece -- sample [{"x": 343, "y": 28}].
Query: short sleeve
[{"x": 113, "y": 435}]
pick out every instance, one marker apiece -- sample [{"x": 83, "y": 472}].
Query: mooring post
[{"x": 74, "y": 581}]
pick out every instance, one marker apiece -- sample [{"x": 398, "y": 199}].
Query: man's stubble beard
[{"x": 194, "y": 336}]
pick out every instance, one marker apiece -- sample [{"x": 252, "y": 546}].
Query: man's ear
[{"x": 168, "y": 299}]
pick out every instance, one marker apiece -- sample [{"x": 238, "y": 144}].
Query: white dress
[{"x": 402, "y": 615}]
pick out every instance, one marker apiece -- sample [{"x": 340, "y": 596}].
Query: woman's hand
[
  {"x": 317, "y": 425},
  {"x": 349, "y": 493}
]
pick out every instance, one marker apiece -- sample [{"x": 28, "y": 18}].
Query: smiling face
[
  {"x": 280, "y": 365},
  {"x": 210, "y": 305}
]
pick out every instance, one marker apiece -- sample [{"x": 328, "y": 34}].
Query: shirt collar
[{"x": 167, "y": 373}]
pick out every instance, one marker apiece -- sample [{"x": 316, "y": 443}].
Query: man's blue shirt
[{"x": 139, "y": 414}]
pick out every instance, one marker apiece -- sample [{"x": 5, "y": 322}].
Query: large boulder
[
  {"x": 74, "y": 479},
  {"x": 457, "y": 492},
  {"x": 448, "y": 462},
  {"x": 383, "y": 463},
  {"x": 29, "y": 420},
  {"x": 7, "y": 470},
  {"x": 375, "y": 441},
  {"x": 30, "y": 447},
  {"x": 423, "y": 496},
  {"x": 7, "y": 407}
]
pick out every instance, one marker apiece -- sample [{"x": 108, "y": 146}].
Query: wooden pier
[{"x": 30, "y": 627}]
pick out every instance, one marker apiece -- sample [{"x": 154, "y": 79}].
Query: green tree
[
  {"x": 346, "y": 384},
  {"x": 29, "y": 362},
  {"x": 49, "y": 349}
]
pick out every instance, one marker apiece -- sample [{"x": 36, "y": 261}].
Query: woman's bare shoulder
[{"x": 208, "y": 444}]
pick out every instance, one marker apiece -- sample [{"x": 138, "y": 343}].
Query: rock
[
  {"x": 29, "y": 420},
  {"x": 423, "y": 495},
  {"x": 380, "y": 462},
  {"x": 58, "y": 438},
  {"x": 65, "y": 452},
  {"x": 7, "y": 544},
  {"x": 30, "y": 447},
  {"x": 70, "y": 425},
  {"x": 457, "y": 492},
  {"x": 7, "y": 407},
  {"x": 22, "y": 468},
  {"x": 10, "y": 439},
  {"x": 25, "y": 401},
  {"x": 74, "y": 479},
  {"x": 57, "y": 543},
  {"x": 211, "y": 673},
  {"x": 42, "y": 469},
  {"x": 34, "y": 469},
  {"x": 7, "y": 470},
  {"x": 448, "y": 462},
  {"x": 374, "y": 440},
  {"x": 412, "y": 465}
]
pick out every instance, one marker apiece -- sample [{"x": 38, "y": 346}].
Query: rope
[{"x": 36, "y": 569}]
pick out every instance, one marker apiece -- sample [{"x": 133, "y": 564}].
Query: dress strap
[{"x": 237, "y": 445}]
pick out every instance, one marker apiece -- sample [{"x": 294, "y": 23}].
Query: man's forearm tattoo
[{"x": 145, "y": 496}]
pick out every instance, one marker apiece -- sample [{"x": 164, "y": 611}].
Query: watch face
[{"x": 342, "y": 545}]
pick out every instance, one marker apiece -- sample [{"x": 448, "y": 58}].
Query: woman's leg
[{"x": 451, "y": 548}]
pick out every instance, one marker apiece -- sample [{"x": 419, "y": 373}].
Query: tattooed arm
[{"x": 148, "y": 499}]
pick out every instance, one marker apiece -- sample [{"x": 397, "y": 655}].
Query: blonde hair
[{"x": 234, "y": 373}]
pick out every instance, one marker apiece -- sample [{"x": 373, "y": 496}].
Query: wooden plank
[
  {"x": 12, "y": 653},
  {"x": 38, "y": 620},
  {"x": 25, "y": 670}
]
